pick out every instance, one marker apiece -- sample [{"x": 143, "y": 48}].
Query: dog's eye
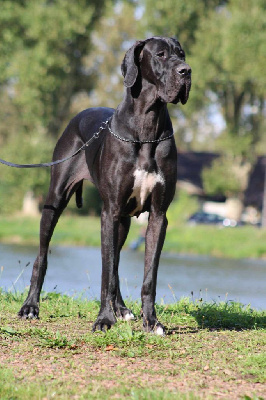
[
  {"x": 180, "y": 53},
  {"x": 161, "y": 54}
]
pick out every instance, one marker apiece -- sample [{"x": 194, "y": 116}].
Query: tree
[
  {"x": 43, "y": 46},
  {"x": 228, "y": 59},
  {"x": 44, "y": 56},
  {"x": 176, "y": 18},
  {"x": 115, "y": 32},
  {"x": 231, "y": 66}
]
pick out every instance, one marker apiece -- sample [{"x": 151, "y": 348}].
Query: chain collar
[{"x": 136, "y": 141}]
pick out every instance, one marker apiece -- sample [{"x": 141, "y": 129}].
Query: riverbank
[
  {"x": 240, "y": 242},
  {"x": 211, "y": 351}
]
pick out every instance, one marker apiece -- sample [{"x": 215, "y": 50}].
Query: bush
[{"x": 221, "y": 178}]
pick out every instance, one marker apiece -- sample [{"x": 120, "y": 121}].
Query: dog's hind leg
[{"x": 57, "y": 199}]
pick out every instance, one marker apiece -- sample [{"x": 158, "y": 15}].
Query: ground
[{"x": 59, "y": 357}]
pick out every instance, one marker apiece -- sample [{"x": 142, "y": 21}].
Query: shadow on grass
[
  {"x": 229, "y": 315},
  {"x": 180, "y": 330},
  {"x": 196, "y": 315}
]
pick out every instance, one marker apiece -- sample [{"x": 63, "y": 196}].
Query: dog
[{"x": 133, "y": 163}]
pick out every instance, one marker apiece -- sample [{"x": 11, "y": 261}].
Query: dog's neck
[{"x": 142, "y": 119}]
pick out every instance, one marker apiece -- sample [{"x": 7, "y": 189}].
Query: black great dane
[{"x": 133, "y": 163}]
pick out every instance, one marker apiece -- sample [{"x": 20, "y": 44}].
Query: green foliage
[
  {"x": 14, "y": 183},
  {"x": 53, "y": 340},
  {"x": 228, "y": 174},
  {"x": 230, "y": 64},
  {"x": 43, "y": 49},
  {"x": 43, "y": 63},
  {"x": 114, "y": 34},
  {"x": 219, "y": 179},
  {"x": 177, "y": 18}
]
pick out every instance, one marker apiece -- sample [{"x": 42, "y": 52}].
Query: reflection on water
[{"x": 75, "y": 269}]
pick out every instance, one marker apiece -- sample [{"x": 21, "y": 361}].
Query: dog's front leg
[
  {"x": 154, "y": 242},
  {"x": 109, "y": 238}
]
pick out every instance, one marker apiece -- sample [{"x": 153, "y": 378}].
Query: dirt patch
[{"x": 97, "y": 367}]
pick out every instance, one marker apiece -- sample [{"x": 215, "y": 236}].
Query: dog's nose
[{"x": 183, "y": 70}]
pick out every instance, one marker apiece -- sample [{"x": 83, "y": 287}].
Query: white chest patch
[{"x": 143, "y": 185}]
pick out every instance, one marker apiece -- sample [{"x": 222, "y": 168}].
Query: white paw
[
  {"x": 158, "y": 330},
  {"x": 128, "y": 316}
]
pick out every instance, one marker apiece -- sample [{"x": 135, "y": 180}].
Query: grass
[
  {"x": 211, "y": 351},
  {"x": 241, "y": 242}
]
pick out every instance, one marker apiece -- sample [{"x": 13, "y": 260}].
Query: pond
[{"x": 73, "y": 270}]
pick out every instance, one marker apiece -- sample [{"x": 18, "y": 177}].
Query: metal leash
[{"x": 50, "y": 164}]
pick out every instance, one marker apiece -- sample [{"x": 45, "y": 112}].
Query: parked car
[{"x": 201, "y": 217}]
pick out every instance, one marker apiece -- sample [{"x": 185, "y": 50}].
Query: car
[{"x": 201, "y": 217}]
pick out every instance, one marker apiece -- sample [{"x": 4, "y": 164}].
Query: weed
[
  {"x": 9, "y": 331},
  {"x": 53, "y": 340}
]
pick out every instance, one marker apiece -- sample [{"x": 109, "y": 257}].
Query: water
[{"x": 73, "y": 270}]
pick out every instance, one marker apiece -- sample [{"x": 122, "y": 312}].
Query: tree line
[{"x": 59, "y": 57}]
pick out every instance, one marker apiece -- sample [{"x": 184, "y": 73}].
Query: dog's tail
[{"x": 79, "y": 201}]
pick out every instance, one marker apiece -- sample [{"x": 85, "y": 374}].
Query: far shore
[{"x": 239, "y": 242}]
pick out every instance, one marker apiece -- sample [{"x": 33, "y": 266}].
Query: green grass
[
  {"x": 241, "y": 242},
  {"x": 210, "y": 350}
]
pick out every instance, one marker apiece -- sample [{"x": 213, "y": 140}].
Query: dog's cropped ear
[{"x": 129, "y": 66}]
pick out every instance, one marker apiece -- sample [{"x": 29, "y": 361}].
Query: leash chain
[
  {"x": 137, "y": 141},
  {"x": 50, "y": 164}
]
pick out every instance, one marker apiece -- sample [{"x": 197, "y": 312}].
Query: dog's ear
[{"x": 129, "y": 66}]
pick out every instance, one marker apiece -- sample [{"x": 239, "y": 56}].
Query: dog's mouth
[{"x": 183, "y": 93}]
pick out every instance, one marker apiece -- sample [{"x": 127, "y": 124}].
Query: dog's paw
[
  {"x": 128, "y": 316},
  {"x": 157, "y": 328},
  {"x": 103, "y": 323},
  {"x": 29, "y": 311},
  {"x": 125, "y": 314},
  {"x": 103, "y": 326}
]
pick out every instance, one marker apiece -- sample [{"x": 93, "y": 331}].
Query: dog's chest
[{"x": 144, "y": 183}]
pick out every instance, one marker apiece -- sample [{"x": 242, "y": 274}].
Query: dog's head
[{"x": 161, "y": 62}]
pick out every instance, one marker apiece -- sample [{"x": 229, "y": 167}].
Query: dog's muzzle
[
  {"x": 183, "y": 83},
  {"x": 177, "y": 85}
]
